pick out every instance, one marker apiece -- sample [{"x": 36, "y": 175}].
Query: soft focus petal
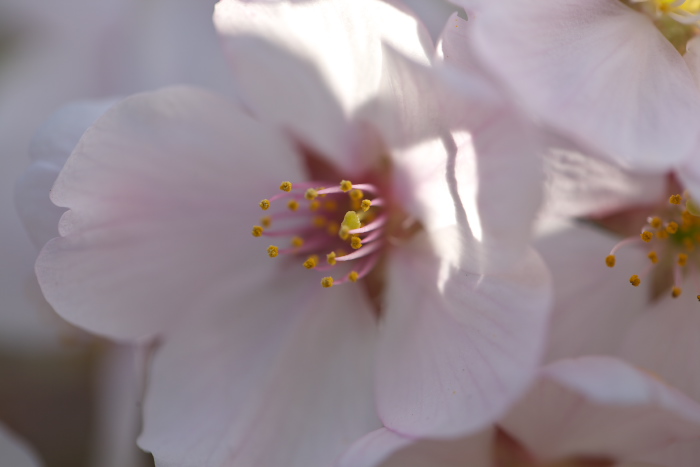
[
  {"x": 580, "y": 184},
  {"x": 279, "y": 376},
  {"x": 161, "y": 192},
  {"x": 602, "y": 407},
  {"x": 14, "y": 452},
  {"x": 665, "y": 340},
  {"x": 49, "y": 151},
  {"x": 596, "y": 70},
  {"x": 320, "y": 61},
  {"x": 384, "y": 448},
  {"x": 593, "y": 305},
  {"x": 680, "y": 454},
  {"x": 457, "y": 348}
]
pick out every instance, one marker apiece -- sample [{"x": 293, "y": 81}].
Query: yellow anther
[
  {"x": 366, "y": 204},
  {"x": 286, "y": 186},
  {"x": 311, "y": 194},
  {"x": 273, "y": 251},
  {"x": 682, "y": 259},
  {"x": 353, "y": 276},
  {"x": 297, "y": 242},
  {"x": 699, "y": 298},
  {"x": 356, "y": 242},
  {"x": 333, "y": 228},
  {"x": 344, "y": 232},
  {"x": 635, "y": 280},
  {"x": 662, "y": 234},
  {"x": 346, "y": 186},
  {"x": 314, "y": 205},
  {"x": 330, "y": 206},
  {"x": 319, "y": 221},
  {"x": 266, "y": 221},
  {"x": 327, "y": 282},
  {"x": 330, "y": 258},
  {"x": 653, "y": 257},
  {"x": 675, "y": 199},
  {"x": 311, "y": 262},
  {"x": 656, "y": 222},
  {"x": 265, "y": 204},
  {"x": 672, "y": 227},
  {"x": 356, "y": 194},
  {"x": 293, "y": 205},
  {"x": 689, "y": 244},
  {"x": 676, "y": 292},
  {"x": 257, "y": 231},
  {"x": 610, "y": 261},
  {"x": 647, "y": 236}
]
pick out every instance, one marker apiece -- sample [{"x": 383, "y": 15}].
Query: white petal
[
  {"x": 162, "y": 193},
  {"x": 279, "y": 376}
]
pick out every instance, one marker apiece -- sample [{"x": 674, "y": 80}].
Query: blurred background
[{"x": 74, "y": 398}]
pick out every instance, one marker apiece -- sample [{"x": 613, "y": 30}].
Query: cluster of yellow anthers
[
  {"x": 675, "y": 238},
  {"x": 313, "y": 211},
  {"x": 685, "y": 9}
]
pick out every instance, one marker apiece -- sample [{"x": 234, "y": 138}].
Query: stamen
[
  {"x": 257, "y": 231},
  {"x": 353, "y": 276},
  {"x": 286, "y": 186},
  {"x": 314, "y": 205},
  {"x": 682, "y": 259},
  {"x": 293, "y": 205},
  {"x": 655, "y": 222},
  {"x": 265, "y": 204},
  {"x": 364, "y": 251},
  {"x": 311, "y": 262},
  {"x": 610, "y": 261},
  {"x": 375, "y": 224},
  {"x": 273, "y": 251},
  {"x": 357, "y": 195},
  {"x": 635, "y": 280},
  {"x": 366, "y": 204},
  {"x": 311, "y": 194},
  {"x": 662, "y": 234},
  {"x": 346, "y": 185},
  {"x": 330, "y": 258},
  {"x": 672, "y": 227},
  {"x": 266, "y": 221},
  {"x": 675, "y": 199},
  {"x": 647, "y": 236},
  {"x": 356, "y": 243},
  {"x": 653, "y": 257},
  {"x": 676, "y": 292},
  {"x": 327, "y": 282},
  {"x": 297, "y": 242}
]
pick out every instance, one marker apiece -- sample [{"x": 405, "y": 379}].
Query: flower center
[
  {"x": 340, "y": 231},
  {"x": 672, "y": 239},
  {"x": 678, "y": 20}
]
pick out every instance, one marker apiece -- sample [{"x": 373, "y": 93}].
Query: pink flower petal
[
  {"x": 600, "y": 406},
  {"x": 457, "y": 348},
  {"x": 593, "y": 305},
  {"x": 318, "y": 63},
  {"x": 664, "y": 340},
  {"x": 596, "y": 70},
  {"x": 162, "y": 193},
  {"x": 384, "y": 448},
  {"x": 278, "y": 376},
  {"x": 580, "y": 184},
  {"x": 15, "y": 452}
]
